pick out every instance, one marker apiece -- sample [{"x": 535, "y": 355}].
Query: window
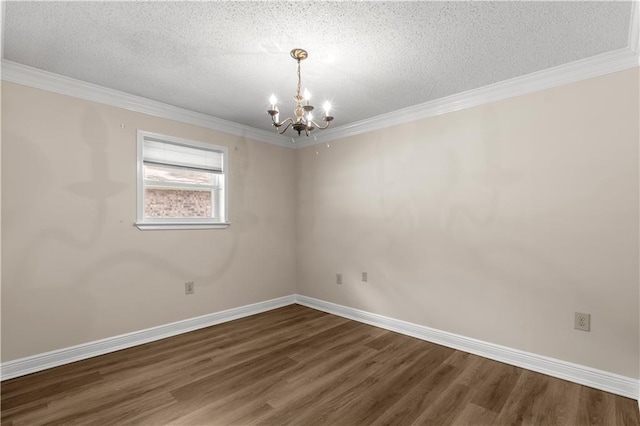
[{"x": 181, "y": 183}]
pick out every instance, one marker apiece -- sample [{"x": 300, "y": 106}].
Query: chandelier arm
[
  {"x": 277, "y": 124},
  {"x": 317, "y": 126},
  {"x": 290, "y": 122}
]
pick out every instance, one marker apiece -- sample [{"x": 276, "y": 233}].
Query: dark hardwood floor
[{"x": 300, "y": 366}]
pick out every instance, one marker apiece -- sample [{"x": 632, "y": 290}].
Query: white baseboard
[
  {"x": 599, "y": 379},
  {"x": 32, "y": 364}
]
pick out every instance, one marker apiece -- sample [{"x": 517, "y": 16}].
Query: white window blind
[
  {"x": 182, "y": 184},
  {"x": 171, "y": 154}
]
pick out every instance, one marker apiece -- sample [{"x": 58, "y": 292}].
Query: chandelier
[{"x": 303, "y": 120}]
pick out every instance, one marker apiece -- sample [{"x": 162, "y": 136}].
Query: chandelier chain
[{"x": 299, "y": 79}]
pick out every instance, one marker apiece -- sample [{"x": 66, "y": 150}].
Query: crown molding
[
  {"x": 595, "y": 66},
  {"x": 21, "y": 74},
  {"x": 634, "y": 30},
  {"x": 572, "y": 72},
  {"x": 2, "y": 11}
]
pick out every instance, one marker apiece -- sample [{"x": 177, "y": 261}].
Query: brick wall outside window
[{"x": 177, "y": 203}]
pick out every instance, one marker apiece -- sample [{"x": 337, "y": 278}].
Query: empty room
[{"x": 320, "y": 213}]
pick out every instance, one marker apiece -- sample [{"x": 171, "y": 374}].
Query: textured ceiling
[{"x": 368, "y": 58}]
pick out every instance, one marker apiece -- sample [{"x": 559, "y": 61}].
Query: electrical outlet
[
  {"x": 582, "y": 321},
  {"x": 189, "y": 287},
  {"x": 364, "y": 277},
  {"x": 338, "y": 278}
]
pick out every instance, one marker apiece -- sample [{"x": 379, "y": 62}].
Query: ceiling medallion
[{"x": 303, "y": 120}]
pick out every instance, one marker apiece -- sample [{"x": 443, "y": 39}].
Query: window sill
[{"x": 150, "y": 226}]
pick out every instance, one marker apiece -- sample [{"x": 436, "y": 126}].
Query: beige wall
[
  {"x": 496, "y": 222},
  {"x": 75, "y": 269}
]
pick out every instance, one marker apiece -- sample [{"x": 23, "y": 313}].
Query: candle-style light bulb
[
  {"x": 309, "y": 117},
  {"x": 306, "y": 96},
  {"x": 272, "y": 101},
  {"x": 327, "y": 108}
]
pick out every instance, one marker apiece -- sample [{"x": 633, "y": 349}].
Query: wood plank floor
[{"x": 300, "y": 366}]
